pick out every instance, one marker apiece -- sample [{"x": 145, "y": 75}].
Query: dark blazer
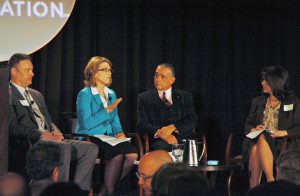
[
  {"x": 153, "y": 113},
  {"x": 289, "y": 118},
  {"x": 21, "y": 121}
]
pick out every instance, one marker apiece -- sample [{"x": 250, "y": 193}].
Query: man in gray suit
[{"x": 28, "y": 118}]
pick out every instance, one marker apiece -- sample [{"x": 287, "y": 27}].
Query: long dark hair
[{"x": 279, "y": 81}]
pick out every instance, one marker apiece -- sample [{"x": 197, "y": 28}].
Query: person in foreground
[
  {"x": 62, "y": 189},
  {"x": 178, "y": 179},
  {"x": 148, "y": 165},
  {"x": 13, "y": 184},
  {"x": 166, "y": 114},
  {"x": 28, "y": 118},
  {"x": 97, "y": 114},
  {"x": 42, "y": 162},
  {"x": 277, "y": 110},
  {"x": 288, "y": 176}
]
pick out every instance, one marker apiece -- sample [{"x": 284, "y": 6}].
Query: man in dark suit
[
  {"x": 29, "y": 119},
  {"x": 166, "y": 114}
]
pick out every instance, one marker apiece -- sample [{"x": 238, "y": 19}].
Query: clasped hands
[
  {"x": 54, "y": 135},
  {"x": 278, "y": 133},
  {"x": 165, "y": 133}
]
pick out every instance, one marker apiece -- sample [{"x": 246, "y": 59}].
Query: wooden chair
[{"x": 229, "y": 157}]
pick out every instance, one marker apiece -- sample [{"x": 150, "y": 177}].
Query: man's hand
[
  {"x": 171, "y": 139},
  {"x": 59, "y": 135},
  {"x": 164, "y": 132},
  {"x": 120, "y": 135},
  {"x": 111, "y": 107},
  {"x": 51, "y": 136}
]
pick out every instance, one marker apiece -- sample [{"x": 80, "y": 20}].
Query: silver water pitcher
[{"x": 191, "y": 152}]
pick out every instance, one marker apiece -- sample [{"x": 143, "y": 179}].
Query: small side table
[{"x": 220, "y": 168}]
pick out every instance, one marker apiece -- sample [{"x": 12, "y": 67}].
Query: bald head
[
  {"x": 12, "y": 184},
  {"x": 149, "y": 164},
  {"x": 155, "y": 159}
]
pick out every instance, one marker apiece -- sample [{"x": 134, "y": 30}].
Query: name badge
[
  {"x": 288, "y": 107},
  {"x": 24, "y": 102}
]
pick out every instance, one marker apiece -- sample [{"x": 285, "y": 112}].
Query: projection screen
[{"x": 26, "y": 26}]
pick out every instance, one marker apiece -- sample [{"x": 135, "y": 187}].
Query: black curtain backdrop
[{"x": 218, "y": 49}]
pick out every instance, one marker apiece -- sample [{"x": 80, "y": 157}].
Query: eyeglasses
[
  {"x": 144, "y": 177},
  {"x": 163, "y": 77},
  {"x": 106, "y": 70}
]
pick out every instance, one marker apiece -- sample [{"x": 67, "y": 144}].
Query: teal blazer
[{"x": 92, "y": 117}]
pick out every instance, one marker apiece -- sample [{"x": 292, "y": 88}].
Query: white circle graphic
[{"x": 26, "y": 26}]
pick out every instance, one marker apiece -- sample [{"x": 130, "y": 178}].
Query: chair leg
[{"x": 229, "y": 183}]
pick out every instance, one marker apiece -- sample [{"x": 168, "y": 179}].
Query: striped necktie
[
  {"x": 36, "y": 110},
  {"x": 165, "y": 100}
]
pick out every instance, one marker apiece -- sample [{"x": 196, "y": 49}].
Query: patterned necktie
[
  {"x": 36, "y": 111},
  {"x": 165, "y": 100}
]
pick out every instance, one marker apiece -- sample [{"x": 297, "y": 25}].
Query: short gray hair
[{"x": 168, "y": 65}]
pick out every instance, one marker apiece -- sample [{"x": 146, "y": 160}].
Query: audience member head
[
  {"x": 178, "y": 179},
  {"x": 98, "y": 69},
  {"x": 62, "y": 189},
  {"x": 42, "y": 161},
  {"x": 148, "y": 165},
  {"x": 164, "y": 76},
  {"x": 288, "y": 164},
  {"x": 12, "y": 184},
  {"x": 278, "y": 80},
  {"x": 161, "y": 176},
  {"x": 21, "y": 69}
]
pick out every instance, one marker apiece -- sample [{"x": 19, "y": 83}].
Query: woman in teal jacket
[{"x": 97, "y": 114}]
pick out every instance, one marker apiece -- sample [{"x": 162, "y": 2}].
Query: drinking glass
[{"x": 177, "y": 152}]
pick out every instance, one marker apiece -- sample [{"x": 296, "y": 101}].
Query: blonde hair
[{"x": 92, "y": 68}]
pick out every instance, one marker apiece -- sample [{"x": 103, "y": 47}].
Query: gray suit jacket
[{"x": 21, "y": 121}]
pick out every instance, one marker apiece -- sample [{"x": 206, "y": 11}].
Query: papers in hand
[
  {"x": 254, "y": 134},
  {"x": 112, "y": 140}
]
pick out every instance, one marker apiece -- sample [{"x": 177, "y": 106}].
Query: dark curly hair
[
  {"x": 279, "y": 81},
  {"x": 41, "y": 160}
]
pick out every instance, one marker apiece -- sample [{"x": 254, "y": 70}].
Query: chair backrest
[
  {"x": 69, "y": 121},
  {"x": 233, "y": 147}
]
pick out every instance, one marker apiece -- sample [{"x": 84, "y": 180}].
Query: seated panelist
[
  {"x": 97, "y": 114},
  {"x": 28, "y": 119},
  {"x": 277, "y": 110},
  {"x": 165, "y": 113}
]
